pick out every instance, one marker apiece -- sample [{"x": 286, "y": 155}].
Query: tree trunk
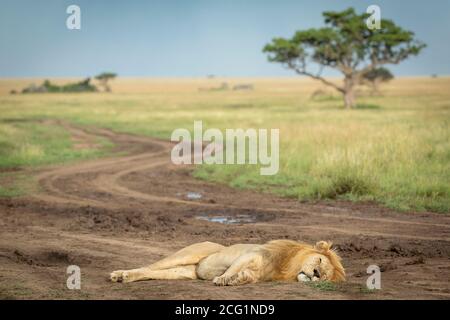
[{"x": 349, "y": 95}]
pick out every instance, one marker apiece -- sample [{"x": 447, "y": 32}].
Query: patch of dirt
[{"x": 128, "y": 211}]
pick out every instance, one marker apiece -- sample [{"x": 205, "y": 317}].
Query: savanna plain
[{"x": 86, "y": 179}]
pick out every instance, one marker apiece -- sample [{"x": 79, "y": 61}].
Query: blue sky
[{"x": 189, "y": 38}]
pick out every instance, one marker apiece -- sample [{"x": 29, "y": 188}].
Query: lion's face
[
  {"x": 316, "y": 267},
  {"x": 321, "y": 264}
]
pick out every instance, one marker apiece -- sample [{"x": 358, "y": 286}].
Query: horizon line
[{"x": 206, "y": 77}]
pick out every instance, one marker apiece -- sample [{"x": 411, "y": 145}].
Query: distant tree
[
  {"x": 375, "y": 77},
  {"x": 47, "y": 86},
  {"x": 104, "y": 78},
  {"x": 82, "y": 86},
  {"x": 347, "y": 45}
]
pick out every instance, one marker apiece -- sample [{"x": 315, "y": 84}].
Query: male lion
[{"x": 239, "y": 264}]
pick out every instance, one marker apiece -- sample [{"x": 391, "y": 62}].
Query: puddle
[
  {"x": 190, "y": 195},
  {"x": 230, "y": 216},
  {"x": 237, "y": 219},
  {"x": 193, "y": 195}
]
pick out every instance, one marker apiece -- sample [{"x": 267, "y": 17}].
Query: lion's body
[{"x": 243, "y": 263}]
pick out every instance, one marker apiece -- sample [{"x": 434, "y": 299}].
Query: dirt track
[{"x": 127, "y": 211}]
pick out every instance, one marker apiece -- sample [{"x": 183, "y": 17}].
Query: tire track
[{"x": 147, "y": 155}]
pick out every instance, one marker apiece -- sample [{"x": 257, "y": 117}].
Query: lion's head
[
  {"x": 321, "y": 263},
  {"x": 302, "y": 262}
]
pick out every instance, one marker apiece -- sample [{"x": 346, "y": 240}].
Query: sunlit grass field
[{"x": 393, "y": 149}]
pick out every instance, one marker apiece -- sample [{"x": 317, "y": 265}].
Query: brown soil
[{"x": 125, "y": 212}]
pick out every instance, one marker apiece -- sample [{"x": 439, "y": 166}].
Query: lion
[{"x": 239, "y": 264}]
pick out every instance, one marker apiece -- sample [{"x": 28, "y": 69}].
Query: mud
[{"x": 127, "y": 211}]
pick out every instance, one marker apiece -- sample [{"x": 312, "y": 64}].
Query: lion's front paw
[
  {"x": 220, "y": 281},
  {"x": 243, "y": 277}
]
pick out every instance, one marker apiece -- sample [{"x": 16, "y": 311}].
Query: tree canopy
[
  {"x": 380, "y": 74},
  {"x": 375, "y": 77},
  {"x": 104, "y": 78},
  {"x": 347, "y": 45}
]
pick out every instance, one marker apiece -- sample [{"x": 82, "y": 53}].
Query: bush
[{"x": 47, "y": 86}]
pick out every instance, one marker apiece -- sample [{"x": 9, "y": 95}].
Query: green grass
[
  {"x": 29, "y": 143},
  {"x": 393, "y": 149},
  {"x": 322, "y": 285}
]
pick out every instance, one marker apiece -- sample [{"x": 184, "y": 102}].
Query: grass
[
  {"x": 29, "y": 143},
  {"x": 392, "y": 149},
  {"x": 18, "y": 291},
  {"x": 322, "y": 285}
]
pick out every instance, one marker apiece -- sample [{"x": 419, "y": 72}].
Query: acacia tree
[
  {"x": 104, "y": 78},
  {"x": 375, "y": 77},
  {"x": 347, "y": 45}
]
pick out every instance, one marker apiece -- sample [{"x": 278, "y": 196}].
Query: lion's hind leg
[
  {"x": 187, "y": 256},
  {"x": 177, "y": 273},
  {"x": 180, "y": 265}
]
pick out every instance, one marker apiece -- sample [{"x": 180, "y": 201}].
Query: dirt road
[{"x": 127, "y": 211}]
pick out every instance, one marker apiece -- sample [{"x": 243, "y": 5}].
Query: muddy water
[{"x": 224, "y": 219}]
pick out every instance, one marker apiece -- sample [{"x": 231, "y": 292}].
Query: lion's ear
[{"x": 323, "y": 246}]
